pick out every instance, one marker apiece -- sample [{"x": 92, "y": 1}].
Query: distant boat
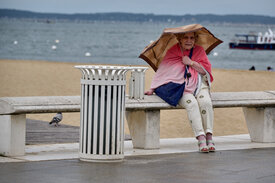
[{"x": 254, "y": 41}]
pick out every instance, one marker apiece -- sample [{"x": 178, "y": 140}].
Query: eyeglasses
[{"x": 192, "y": 38}]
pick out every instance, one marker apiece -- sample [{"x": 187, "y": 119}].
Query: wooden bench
[{"x": 143, "y": 116}]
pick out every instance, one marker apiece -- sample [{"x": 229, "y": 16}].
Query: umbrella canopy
[{"x": 154, "y": 53}]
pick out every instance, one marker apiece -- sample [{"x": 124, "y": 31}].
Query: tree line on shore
[{"x": 199, "y": 18}]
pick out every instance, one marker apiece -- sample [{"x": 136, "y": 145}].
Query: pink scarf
[{"x": 171, "y": 69}]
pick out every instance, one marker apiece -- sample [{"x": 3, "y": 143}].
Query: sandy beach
[{"x": 43, "y": 78}]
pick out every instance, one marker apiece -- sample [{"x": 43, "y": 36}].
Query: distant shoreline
[
  {"x": 140, "y": 17},
  {"x": 52, "y": 21}
]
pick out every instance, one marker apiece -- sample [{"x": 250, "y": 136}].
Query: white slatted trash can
[
  {"x": 102, "y": 113},
  {"x": 137, "y": 83}
]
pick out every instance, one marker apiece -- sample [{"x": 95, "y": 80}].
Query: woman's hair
[{"x": 180, "y": 36}]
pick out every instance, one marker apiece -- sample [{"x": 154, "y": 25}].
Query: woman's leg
[
  {"x": 206, "y": 110},
  {"x": 189, "y": 102}
]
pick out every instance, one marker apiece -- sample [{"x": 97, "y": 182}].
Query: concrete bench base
[
  {"x": 144, "y": 128},
  {"x": 260, "y": 123},
  {"x": 12, "y": 135}
]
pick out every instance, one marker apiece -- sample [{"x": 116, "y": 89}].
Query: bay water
[{"x": 116, "y": 42}]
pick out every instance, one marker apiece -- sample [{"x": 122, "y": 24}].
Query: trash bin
[
  {"x": 136, "y": 84},
  {"x": 102, "y": 113}
]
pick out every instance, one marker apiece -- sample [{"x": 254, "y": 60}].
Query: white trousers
[{"x": 199, "y": 110}]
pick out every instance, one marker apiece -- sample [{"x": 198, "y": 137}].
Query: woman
[{"x": 196, "y": 96}]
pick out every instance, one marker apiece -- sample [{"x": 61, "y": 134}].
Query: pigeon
[{"x": 56, "y": 119}]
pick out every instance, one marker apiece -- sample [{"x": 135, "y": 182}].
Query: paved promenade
[
  {"x": 245, "y": 166},
  {"x": 236, "y": 160}
]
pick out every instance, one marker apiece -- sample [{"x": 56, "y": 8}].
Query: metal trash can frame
[
  {"x": 102, "y": 113},
  {"x": 137, "y": 83}
]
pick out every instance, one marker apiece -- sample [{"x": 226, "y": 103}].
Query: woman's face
[{"x": 188, "y": 40}]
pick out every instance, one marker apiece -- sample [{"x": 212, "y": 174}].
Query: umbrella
[{"x": 154, "y": 53}]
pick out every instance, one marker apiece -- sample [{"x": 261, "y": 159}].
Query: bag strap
[{"x": 187, "y": 67}]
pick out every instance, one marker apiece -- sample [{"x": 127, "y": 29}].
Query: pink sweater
[{"x": 171, "y": 69}]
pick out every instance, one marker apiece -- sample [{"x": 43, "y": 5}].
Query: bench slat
[
  {"x": 41, "y": 104},
  {"x": 219, "y": 99},
  {"x": 52, "y": 104}
]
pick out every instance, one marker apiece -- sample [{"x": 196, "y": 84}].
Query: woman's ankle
[
  {"x": 201, "y": 137},
  {"x": 202, "y": 144},
  {"x": 209, "y": 136}
]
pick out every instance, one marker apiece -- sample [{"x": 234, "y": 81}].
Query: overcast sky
[{"x": 173, "y": 7}]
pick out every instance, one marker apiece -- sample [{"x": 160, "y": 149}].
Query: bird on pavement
[{"x": 56, "y": 119}]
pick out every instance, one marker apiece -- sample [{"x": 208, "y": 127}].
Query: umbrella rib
[{"x": 154, "y": 53}]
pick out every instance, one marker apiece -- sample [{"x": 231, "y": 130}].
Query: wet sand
[{"x": 43, "y": 78}]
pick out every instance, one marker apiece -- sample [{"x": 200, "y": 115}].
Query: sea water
[{"x": 116, "y": 42}]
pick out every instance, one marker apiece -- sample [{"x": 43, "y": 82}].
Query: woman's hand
[
  {"x": 186, "y": 60},
  {"x": 149, "y": 92}
]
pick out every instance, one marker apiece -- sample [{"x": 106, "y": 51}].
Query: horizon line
[{"x": 139, "y": 13}]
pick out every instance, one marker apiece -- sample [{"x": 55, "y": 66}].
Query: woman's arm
[
  {"x": 149, "y": 92},
  {"x": 195, "y": 65}
]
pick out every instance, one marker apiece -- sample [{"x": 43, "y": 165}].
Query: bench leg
[
  {"x": 260, "y": 123},
  {"x": 12, "y": 135},
  {"x": 144, "y": 128}
]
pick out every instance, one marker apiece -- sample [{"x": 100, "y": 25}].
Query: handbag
[{"x": 172, "y": 92}]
